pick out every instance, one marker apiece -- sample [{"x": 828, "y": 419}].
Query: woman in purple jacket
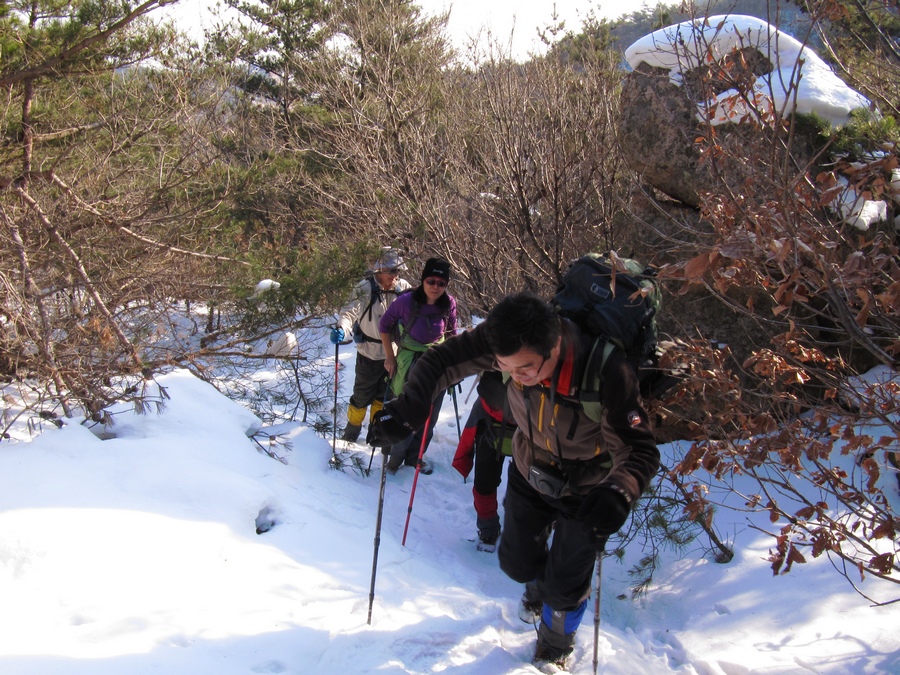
[{"x": 416, "y": 321}]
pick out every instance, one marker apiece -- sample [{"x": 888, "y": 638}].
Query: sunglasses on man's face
[
  {"x": 394, "y": 271},
  {"x": 440, "y": 283}
]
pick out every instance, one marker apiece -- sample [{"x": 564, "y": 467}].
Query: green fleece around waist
[{"x": 409, "y": 351}]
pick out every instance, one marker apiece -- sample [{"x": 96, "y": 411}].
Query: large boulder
[
  {"x": 722, "y": 83},
  {"x": 657, "y": 133}
]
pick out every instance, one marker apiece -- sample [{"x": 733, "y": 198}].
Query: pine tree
[{"x": 99, "y": 194}]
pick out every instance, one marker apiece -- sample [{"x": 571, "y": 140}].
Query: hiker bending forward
[{"x": 567, "y": 469}]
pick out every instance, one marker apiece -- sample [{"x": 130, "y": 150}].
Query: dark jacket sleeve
[
  {"x": 443, "y": 365},
  {"x": 626, "y": 431}
]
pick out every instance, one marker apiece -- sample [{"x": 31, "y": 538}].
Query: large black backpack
[{"x": 616, "y": 300}]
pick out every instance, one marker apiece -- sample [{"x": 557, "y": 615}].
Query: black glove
[
  {"x": 605, "y": 510},
  {"x": 387, "y": 429}
]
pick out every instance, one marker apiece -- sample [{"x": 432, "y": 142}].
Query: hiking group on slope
[
  {"x": 574, "y": 475},
  {"x": 393, "y": 324}
]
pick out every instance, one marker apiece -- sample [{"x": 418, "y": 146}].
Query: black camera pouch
[{"x": 548, "y": 480}]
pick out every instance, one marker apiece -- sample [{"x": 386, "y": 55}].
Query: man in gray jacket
[
  {"x": 570, "y": 474},
  {"x": 358, "y": 322}
]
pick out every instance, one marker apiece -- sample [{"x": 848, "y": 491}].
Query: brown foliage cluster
[{"x": 781, "y": 426}]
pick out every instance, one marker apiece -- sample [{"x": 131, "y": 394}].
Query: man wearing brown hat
[{"x": 359, "y": 320}]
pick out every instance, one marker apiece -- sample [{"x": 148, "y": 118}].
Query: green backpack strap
[{"x": 592, "y": 381}]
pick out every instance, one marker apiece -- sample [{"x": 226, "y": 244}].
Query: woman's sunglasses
[{"x": 440, "y": 283}]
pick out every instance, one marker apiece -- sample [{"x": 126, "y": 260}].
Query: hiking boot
[
  {"x": 392, "y": 467},
  {"x": 530, "y": 611},
  {"x": 549, "y": 659},
  {"x": 556, "y": 638},
  {"x": 530, "y": 606},
  {"x": 351, "y": 433},
  {"x": 488, "y": 533},
  {"x": 424, "y": 466},
  {"x": 489, "y": 537}
]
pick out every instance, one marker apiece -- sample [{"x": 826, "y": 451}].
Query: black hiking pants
[
  {"x": 370, "y": 382},
  {"x": 561, "y": 570}
]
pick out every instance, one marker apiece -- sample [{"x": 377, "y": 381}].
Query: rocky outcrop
[
  {"x": 663, "y": 140},
  {"x": 657, "y": 133},
  {"x": 700, "y": 110}
]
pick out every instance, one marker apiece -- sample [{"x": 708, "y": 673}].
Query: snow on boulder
[
  {"x": 798, "y": 81},
  {"x": 684, "y": 77},
  {"x": 858, "y": 211}
]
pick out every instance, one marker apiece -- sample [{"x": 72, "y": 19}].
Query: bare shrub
[{"x": 780, "y": 430}]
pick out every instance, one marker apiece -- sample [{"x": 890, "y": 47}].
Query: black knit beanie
[{"x": 436, "y": 267}]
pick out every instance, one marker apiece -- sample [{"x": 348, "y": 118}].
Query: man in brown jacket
[{"x": 570, "y": 474}]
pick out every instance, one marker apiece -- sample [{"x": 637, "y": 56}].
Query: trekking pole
[
  {"x": 412, "y": 494},
  {"x": 383, "y": 400},
  {"x": 334, "y": 459},
  {"x": 456, "y": 410},
  {"x": 597, "y": 612},
  {"x": 377, "y": 533}
]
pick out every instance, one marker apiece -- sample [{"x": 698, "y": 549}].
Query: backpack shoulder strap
[
  {"x": 414, "y": 313},
  {"x": 591, "y": 392},
  {"x": 374, "y": 296}
]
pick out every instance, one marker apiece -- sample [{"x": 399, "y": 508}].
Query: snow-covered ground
[{"x": 139, "y": 555}]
